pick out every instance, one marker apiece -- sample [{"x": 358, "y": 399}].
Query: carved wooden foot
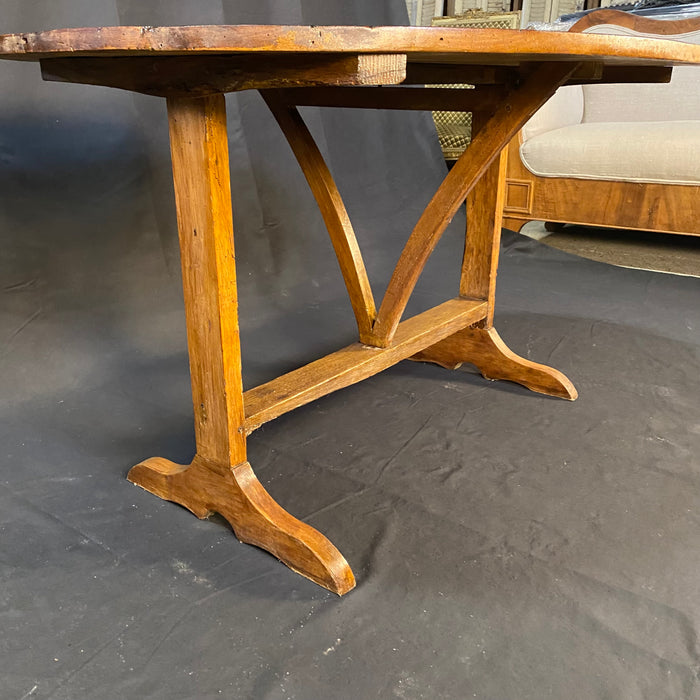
[
  {"x": 554, "y": 226},
  {"x": 484, "y": 348},
  {"x": 256, "y": 518}
]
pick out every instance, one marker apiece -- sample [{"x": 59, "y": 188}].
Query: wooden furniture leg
[
  {"x": 484, "y": 348},
  {"x": 520, "y": 103},
  {"x": 480, "y": 344},
  {"x": 332, "y": 209},
  {"x": 219, "y": 479}
]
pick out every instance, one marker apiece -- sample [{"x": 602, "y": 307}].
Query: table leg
[
  {"x": 219, "y": 479},
  {"x": 481, "y": 345}
]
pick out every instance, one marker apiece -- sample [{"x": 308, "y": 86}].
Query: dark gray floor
[{"x": 506, "y": 545}]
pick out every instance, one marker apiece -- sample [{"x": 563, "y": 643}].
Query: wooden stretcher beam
[{"x": 356, "y": 362}]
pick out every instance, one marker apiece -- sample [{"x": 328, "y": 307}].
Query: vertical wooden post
[
  {"x": 483, "y": 239},
  {"x": 480, "y": 344},
  {"x": 199, "y": 148},
  {"x": 219, "y": 479}
]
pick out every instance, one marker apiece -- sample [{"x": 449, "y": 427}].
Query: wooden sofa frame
[{"x": 606, "y": 203}]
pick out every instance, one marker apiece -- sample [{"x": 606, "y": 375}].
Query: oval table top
[{"x": 419, "y": 44}]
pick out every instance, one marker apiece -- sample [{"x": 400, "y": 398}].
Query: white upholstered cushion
[
  {"x": 666, "y": 152},
  {"x": 564, "y": 108},
  {"x": 677, "y": 100}
]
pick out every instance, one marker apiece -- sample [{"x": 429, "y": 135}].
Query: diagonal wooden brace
[{"x": 522, "y": 102}]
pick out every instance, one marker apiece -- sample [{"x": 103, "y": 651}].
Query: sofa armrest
[
  {"x": 678, "y": 100},
  {"x": 565, "y": 108}
]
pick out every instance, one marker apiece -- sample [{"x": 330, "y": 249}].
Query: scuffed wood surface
[
  {"x": 428, "y": 44},
  {"x": 520, "y": 104},
  {"x": 356, "y": 362},
  {"x": 485, "y": 349},
  {"x": 256, "y": 518},
  {"x": 198, "y": 75},
  {"x": 637, "y": 23}
]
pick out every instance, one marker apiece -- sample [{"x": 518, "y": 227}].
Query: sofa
[{"x": 613, "y": 155}]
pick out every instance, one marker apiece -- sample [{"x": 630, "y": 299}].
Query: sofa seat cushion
[{"x": 664, "y": 152}]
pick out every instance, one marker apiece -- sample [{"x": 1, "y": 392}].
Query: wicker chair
[{"x": 455, "y": 128}]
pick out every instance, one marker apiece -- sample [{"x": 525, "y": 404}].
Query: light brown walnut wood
[
  {"x": 484, "y": 348},
  {"x": 199, "y": 151},
  {"x": 421, "y": 44},
  {"x": 480, "y": 344},
  {"x": 483, "y": 239},
  {"x": 356, "y": 362},
  {"x": 256, "y": 518},
  {"x": 193, "y": 66},
  {"x": 171, "y": 76},
  {"x": 219, "y": 478},
  {"x": 450, "y": 99},
  {"x": 516, "y": 109},
  {"x": 332, "y": 209}
]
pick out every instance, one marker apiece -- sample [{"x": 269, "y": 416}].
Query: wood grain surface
[
  {"x": 255, "y": 516},
  {"x": 517, "y": 71},
  {"x": 427, "y": 44},
  {"x": 357, "y": 361},
  {"x": 520, "y": 104},
  {"x": 637, "y": 23},
  {"x": 332, "y": 209},
  {"x": 483, "y": 239},
  {"x": 219, "y": 479},
  {"x": 485, "y": 349},
  {"x": 206, "y": 74},
  {"x": 199, "y": 151}
]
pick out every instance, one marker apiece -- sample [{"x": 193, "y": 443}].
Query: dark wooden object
[
  {"x": 190, "y": 76},
  {"x": 515, "y": 72}
]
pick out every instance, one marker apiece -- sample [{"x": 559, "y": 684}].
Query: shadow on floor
[{"x": 646, "y": 250}]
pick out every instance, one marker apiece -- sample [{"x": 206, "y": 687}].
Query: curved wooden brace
[
  {"x": 332, "y": 209},
  {"x": 521, "y": 103},
  {"x": 254, "y": 515},
  {"x": 484, "y": 348}
]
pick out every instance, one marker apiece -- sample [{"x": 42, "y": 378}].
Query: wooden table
[{"x": 192, "y": 67}]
